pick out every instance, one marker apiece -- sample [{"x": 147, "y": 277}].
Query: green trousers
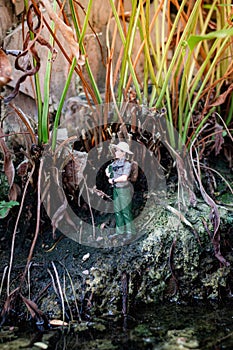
[{"x": 123, "y": 210}]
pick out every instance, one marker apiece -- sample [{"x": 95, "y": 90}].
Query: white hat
[{"x": 123, "y": 146}]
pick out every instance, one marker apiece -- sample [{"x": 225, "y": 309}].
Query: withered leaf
[
  {"x": 221, "y": 99},
  {"x": 219, "y": 140},
  {"x": 32, "y": 307},
  {"x": 29, "y": 46},
  {"x": 8, "y": 164},
  {"x": 9, "y": 171},
  {"x": 5, "y": 69},
  {"x": 65, "y": 30},
  {"x": 34, "y": 310},
  {"x": 9, "y": 302}
]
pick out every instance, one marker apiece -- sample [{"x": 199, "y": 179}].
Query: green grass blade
[
  {"x": 37, "y": 88},
  {"x": 80, "y": 36},
  {"x": 177, "y": 52},
  {"x": 126, "y": 41},
  {"x": 47, "y": 79},
  {"x": 61, "y": 103}
]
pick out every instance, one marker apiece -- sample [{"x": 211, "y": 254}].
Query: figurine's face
[{"x": 119, "y": 153}]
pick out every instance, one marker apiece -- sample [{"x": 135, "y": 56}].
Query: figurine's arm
[{"x": 122, "y": 178}]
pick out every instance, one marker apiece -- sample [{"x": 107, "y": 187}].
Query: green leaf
[
  {"x": 5, "y": 206},
  {"x": 193, "y": 40}
]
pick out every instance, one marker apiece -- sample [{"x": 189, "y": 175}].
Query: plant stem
[
  {"x": 204, "y": 83},
  {"x": 45, "y": 113},
  {"x": 80, "y": 37},
  {"x": 61, "y": 103},
  {"x": 230, "y": 112},
  {"x": 126, "y": 42},
  {"x": 37, "y": 87},
  {"x": 16, "y": 226},
  {"x": 177, "y": 52}
]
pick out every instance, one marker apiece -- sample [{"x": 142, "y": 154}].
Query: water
[{"x": 164, "y": 327}]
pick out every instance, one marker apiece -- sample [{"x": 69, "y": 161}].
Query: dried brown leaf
[
  {"x": 221, "y": 99},
  {"x": 65, "y": 30},
  {"x": 219, "y": 140},
  {"x": 9, "y": 170},
  {"x": 5, "y": 69},
  {"x": 8, "y": 164},
  {"x": 14, "y": 192},
  {"x": 34, "y": 310},
  {"x": 8, "y": 305},
  {"x": 32, "y": 307}
]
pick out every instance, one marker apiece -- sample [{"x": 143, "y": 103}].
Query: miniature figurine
[{"x": 118, "y": 174}]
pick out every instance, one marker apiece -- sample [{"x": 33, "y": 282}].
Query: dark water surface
[{"x": 163, "y": 327}]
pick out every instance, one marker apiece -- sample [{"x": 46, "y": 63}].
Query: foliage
[
  {"x": 5, "y": 206},
  {"x": 188, "y": 64},
  {"x": 187, "y": 50}
]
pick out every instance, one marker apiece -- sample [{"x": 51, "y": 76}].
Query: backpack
[{"x": 134, "y": 171}]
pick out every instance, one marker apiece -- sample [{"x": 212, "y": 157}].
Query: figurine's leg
[
  {"x": 117, "y": 197},
  {"x": 127, "y": 211}
]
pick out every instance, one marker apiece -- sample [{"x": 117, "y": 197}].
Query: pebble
[
  {"x": 86, "y": 257},
  {"x": 41, "y": 345}
]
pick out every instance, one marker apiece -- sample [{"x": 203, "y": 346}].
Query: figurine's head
[{"x": 121, "y": 149}]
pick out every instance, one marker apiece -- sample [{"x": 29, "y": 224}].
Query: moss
[
  {"x": 216, "y": 280},
  {"x": 181, "y": 339},
  {"x": 101, "y": 344}
]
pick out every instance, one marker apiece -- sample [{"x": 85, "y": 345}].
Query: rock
[
  {"x": 19, "y": 6},
  {"x": 6, "y": 18}
]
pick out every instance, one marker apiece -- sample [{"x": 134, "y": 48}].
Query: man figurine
[{"x": 118, "y": 173}]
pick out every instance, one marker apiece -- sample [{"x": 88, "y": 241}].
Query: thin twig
[
  {"x": 60, "y": 291},
  {"x": 65, "y": 296},
  {"x": 224, "y": 338},
  {"x": 29, "y": 281},
  {"x": 89, "y": 204},
  {"x": 73, "y": 290},
  {"x": 37, "y": 221},
  {"x": 15, "y": 228},
  {"x": 15, "y": 133},
  {"x": 226, "y": 128},
  {"x": 53, "y": 282},
  {"x": 3, "y": 277},
  {"x": 215, "y": 213}
]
